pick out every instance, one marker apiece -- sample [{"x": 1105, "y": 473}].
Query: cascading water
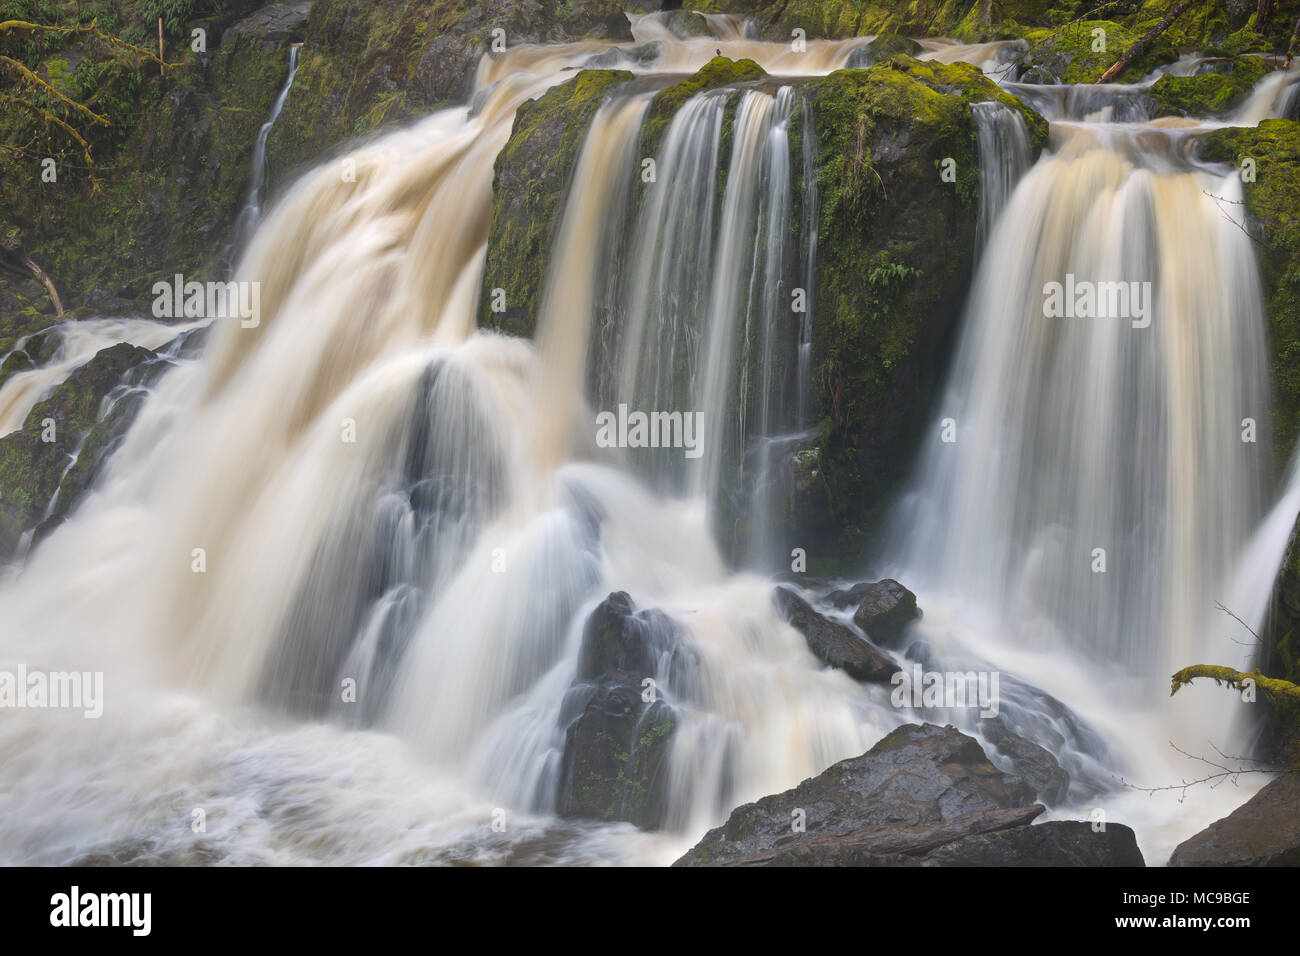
[
  {"x": 251, "y": 212},
  {"x": 1088, "y": 492},
  {"x": 420, "y": 509}
]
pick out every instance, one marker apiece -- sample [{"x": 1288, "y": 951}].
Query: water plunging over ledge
[{"x": 447, "y": 558}]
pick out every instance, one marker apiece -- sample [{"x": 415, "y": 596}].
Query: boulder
[
  {"x": 1264, "y": 831},
  {"x": 885, "y": 610},
  {"x": 618, "y": 638},
  {"x": 834, "y": 644},
  {"x": 616, "y": 742},
  {"x": 923, "y": 796},
  {"x": 615, "y": 757},
  {"x": 881, "y": 48},
  {"x": 920, "y": 775},
  {"x": 1056, "y": 843}
]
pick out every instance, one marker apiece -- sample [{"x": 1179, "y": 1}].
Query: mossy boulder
[
  {"x": 1081, "y": 52},
  {"x": 1219, "y": 87},
  {"x": 882, "y": 48}
]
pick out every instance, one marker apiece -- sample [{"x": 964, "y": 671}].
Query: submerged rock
[
  {"x": 885, "y": 609},
  {"x": 1033, "y": 763},
  {"x": 923, "y": 796},
  {"x": 882, "y": 48},
  {"x": 832, "y": 642},
  {"x": 1264, "y": 831}
]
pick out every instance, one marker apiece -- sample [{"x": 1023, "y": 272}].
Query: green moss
[
  {"x": 1076, "y": 53},
  {"x": 888, "y": 285},
  {"x": 532, "y": 175},
  {"x": 718, "y": 72},
  {"x": 1274, "y": 148},
  {"x": 1208, "y": 93}
]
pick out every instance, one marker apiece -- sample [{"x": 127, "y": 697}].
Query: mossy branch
[
  {"x": 49, "y": 88},
  {"x": 1274, "y": 691},
  {"x": 70, "y": 130},
  {"x": 91, "y": 28}
]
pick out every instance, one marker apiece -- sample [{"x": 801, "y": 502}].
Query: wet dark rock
[
  {"x": 885, "y": 610},
  {"x": 920, "y": 775},
  {"x": 616, "y": 757},
  {"x": 923, "y": 796},
  {"x": 1056, "y": 843},
  {"x": 619, "y": 728},
  {"x": 834, "y": 643},
  {"x": 851, "y": 596},
  {"x": 1264, "y": 831},
  {"x": 890, "y": 844},
  {"x": 1034, "y": 764},
  {"x": 33, "y": 470},
  {"x": 618, "y": 638}
]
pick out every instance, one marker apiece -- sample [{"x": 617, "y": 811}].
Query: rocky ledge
[{"x": 923, "y": 796}]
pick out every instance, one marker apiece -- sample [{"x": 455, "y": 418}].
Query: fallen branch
[
  {"x": 12, "y": 254},
  {"x": 1138, "y": 48}
]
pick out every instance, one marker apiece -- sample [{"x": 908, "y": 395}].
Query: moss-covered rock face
[
  {"x": 1220, "y": 87},
  {"x": 34, "y": 462},
  {"x": 1273, "y": 149},
  {"x": 894, "y": 259},
  {"x": 894, "y": 256},
  {"x": 835, "y": 19},
  {"x": 173, "y": 163},
  {"x": 1081, "y": 52},
  {"x": 368, "y": 64},
  {"x": 532, "y": 177}
]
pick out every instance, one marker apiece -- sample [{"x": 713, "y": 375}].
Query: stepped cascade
[{"x": 368, "y": 490}]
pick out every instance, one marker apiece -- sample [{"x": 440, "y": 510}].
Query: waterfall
[
  {"x": 1105, "y": 432},
  {"x": 1004, "y": 156},
  {"x": 416, "y": 510},
  {"x": 251, "y": 212},
  {"x": 338, "y": 574}
]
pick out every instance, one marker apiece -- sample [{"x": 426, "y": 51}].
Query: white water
[
  {"x": 447, "y": 558},
  {"x": 78, "y": 341}
]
